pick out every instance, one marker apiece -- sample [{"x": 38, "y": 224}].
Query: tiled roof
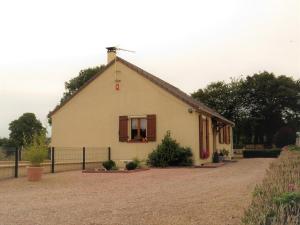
[{"x": 197, "y": 105}]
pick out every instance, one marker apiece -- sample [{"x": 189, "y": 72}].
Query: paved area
[{"x": 182, "y": 196}]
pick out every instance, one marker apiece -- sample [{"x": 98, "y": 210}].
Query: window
[{"x": 138, "y": 129}]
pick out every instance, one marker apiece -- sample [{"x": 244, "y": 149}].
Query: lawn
[{"x": 158, "y": 196}]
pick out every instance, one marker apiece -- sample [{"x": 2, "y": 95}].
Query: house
[{"x": 131, "y": 110}]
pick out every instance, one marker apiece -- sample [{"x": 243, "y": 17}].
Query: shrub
[
  {"x": 288, "y": 198},
  {"x": 138, "y": 162},
  {"x": 109, "y": 164},
  {"x": 2, "y": 155},
  {"x": 131, "y": 165},
  {"x": 170, "y": 153},
  {"x": 277, "y": 200},
  {"x": 294, "y": 148},
  {"x": 216, "y": 158},
  {"x": 264, "y": 153},
  {"x": 37, "y": 151}
]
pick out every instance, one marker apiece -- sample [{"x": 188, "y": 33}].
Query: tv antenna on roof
[
  {"x": 112, "y": 55},
  {"x": 116, "y": 48}
]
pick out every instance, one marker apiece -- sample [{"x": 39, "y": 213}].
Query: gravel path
[{"x": 158, "y": 196}]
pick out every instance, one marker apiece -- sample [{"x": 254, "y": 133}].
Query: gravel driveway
[{"x": 158, "y": 196}]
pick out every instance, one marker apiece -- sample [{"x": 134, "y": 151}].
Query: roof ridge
[{"x": 198, "y": 105}]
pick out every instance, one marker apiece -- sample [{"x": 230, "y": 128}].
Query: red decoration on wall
[{"x": 117, "y": 86}]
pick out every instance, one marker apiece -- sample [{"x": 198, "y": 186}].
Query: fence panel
[
  {"x": 94, "y": 156},
  {"x": 7, "y": 162},
  {"x": 12, "y": 163}
]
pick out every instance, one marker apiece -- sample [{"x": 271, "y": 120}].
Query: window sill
[{"x": 137, "y": 141}]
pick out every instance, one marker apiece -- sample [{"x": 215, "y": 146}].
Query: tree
[
  {"x": 77, "y": 82},
  {"x": 259, "y": 105},
  {"x": 4, "y": 141},
  {"x": 24, "y": 128},
  {"x": 271, "y": 103}
]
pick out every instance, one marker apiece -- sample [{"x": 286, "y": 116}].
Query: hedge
[{"x": 264, "y": 153}]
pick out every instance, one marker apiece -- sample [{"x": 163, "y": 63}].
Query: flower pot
[{"x": 34, "y": 173}]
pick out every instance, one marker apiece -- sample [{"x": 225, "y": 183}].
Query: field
[{"x": 158, "y": 196}]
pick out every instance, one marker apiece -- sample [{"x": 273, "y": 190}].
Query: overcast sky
[{"x": 187, "y": 43}]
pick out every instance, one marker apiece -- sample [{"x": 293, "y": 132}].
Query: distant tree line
[
  {"x": 265, "y": 108},
  {"x": 22, "y": 131}
]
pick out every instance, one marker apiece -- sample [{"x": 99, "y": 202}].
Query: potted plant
[
  {"x": 36, "y": 152},
  {"x": 225, "y": 153}
]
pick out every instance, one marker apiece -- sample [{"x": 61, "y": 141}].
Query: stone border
[{"x": 114, "y": 171}]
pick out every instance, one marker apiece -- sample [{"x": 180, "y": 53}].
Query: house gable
[{"x": 198, "y": 106}]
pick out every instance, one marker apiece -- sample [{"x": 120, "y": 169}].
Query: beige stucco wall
[{"x": 91, "y": 118}]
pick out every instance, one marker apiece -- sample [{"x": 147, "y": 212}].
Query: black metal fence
[{"x": 13, "y": 164}]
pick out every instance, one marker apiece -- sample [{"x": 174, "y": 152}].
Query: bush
[
  {"x": 288, "y": 198},
  {"x": 277, "y": 200},
  {"x": 294, "y": 148},
  {"x": 2, "y": 155},
  {"x": 109, "y": 164},
  {"x": 170, "y": 153},
  {"x": 138, "y": 162},
  {"x": 264, "y": 153},
  {"x": 37, "y": 151},
  {"x": 131, "y": 165},
  {"x": 216, "y": 158}
]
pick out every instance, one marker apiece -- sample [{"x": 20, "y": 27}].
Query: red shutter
[
  {"x": 200, "y": 136},
  {"x": 207, "y": 138},
  {"x": 123, "y": 128},
  {"x": 151, "y": 127}
]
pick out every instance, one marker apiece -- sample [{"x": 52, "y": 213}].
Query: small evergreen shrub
[
  {"x": 170, "y": 153},
  {"x": 138, "y": 162},
  {"x": 216, "y": 158},
  {"x": 131, "y": 165},
  {"x": 109, "y": 164}
]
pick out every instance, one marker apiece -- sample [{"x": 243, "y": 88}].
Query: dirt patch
[{"x": 157, "y": 196}]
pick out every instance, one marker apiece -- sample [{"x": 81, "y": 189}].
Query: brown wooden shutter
[
  {"x": 200, "y": 135},
  {"x": 220, "y": 131},
  {"x": 123, "y": 128},
  {"x": 229, "y": 138},
  {"x": 207, "y": 138},
  {"x": 151, "y": 127},
  {"x": 225, "y": 135}
]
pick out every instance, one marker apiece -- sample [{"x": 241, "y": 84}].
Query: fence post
[
  {"x": 16, "y": 163},
  {"x": 83, "y": 158},
  {"x": 109, "y": 154},
  {"x": 52, "y": 160}
]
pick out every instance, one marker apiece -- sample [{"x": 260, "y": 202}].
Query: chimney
[{"x": 111, "y": 54}]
